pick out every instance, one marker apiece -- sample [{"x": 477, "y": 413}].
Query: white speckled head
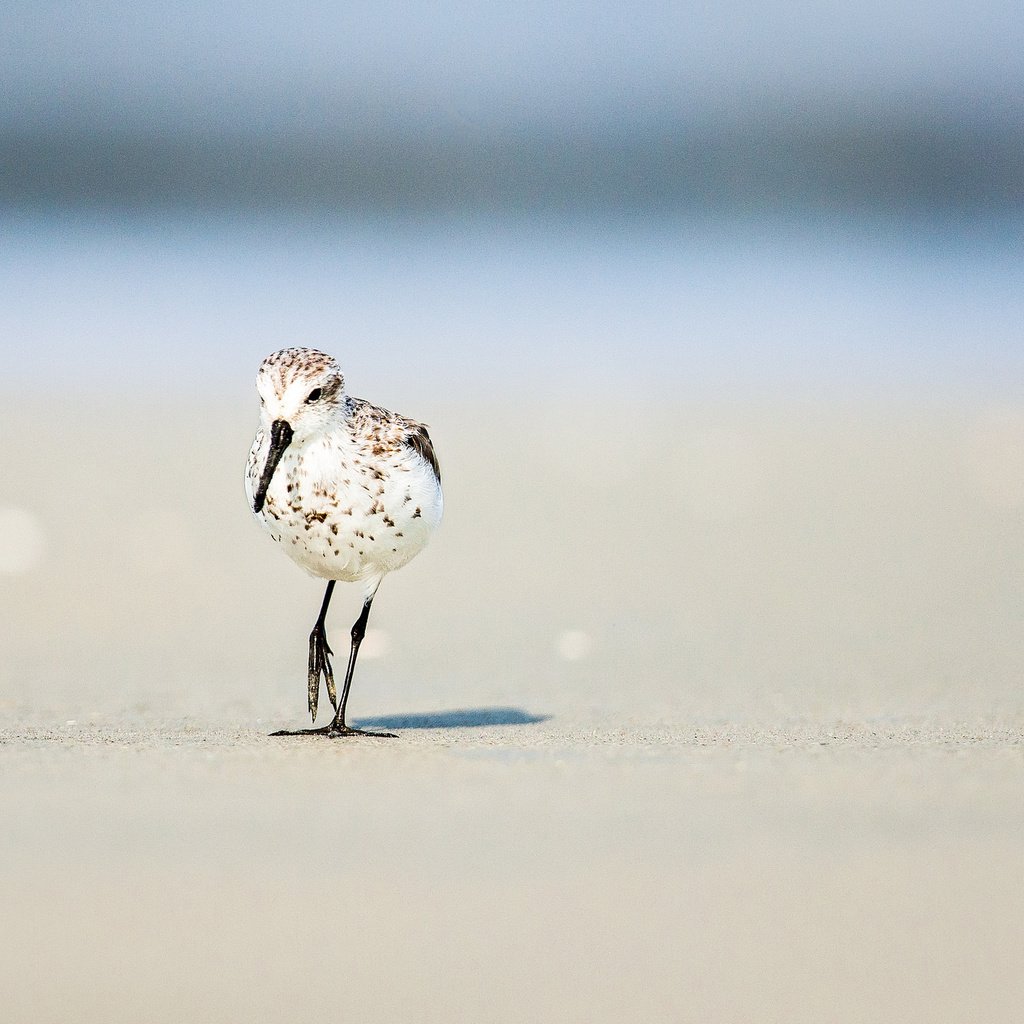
[{"x": 301, "y": 386}]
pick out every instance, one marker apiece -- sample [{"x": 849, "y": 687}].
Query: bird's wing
[{"x": 418, "y": 440}]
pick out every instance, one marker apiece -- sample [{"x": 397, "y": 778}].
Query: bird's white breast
[{"x": 343, "y": 511}]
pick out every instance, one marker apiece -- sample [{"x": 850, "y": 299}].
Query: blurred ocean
[{"x": 546, "y": 201}]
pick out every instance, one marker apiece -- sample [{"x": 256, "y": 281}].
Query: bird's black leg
[
  {"x": 338, "y": 726},
  {"x": 319, "y": 662},
  {"x": 320, "y": 659}
]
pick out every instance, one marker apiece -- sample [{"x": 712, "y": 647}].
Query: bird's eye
[{"x": 314, "y": 396}]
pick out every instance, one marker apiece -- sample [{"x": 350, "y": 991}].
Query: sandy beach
[{"x": 749, "y": 746}]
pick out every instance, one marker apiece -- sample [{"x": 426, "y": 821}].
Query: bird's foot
[
  {"x": 333, "y": 731},
  {"x": 320, "y": 665}
]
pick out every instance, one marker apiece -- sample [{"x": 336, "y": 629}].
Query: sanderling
[{"x": 351, "y": 492}]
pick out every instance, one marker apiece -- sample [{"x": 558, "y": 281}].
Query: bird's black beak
[{"x": 280, "y": 438}]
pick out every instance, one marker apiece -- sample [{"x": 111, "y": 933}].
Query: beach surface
[{"x": 717, "y": 717}]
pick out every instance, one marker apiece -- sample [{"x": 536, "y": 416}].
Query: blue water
[{"x": 515, "y": 309}]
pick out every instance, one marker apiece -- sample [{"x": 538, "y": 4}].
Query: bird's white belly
[{"x": 357, "y": 527}]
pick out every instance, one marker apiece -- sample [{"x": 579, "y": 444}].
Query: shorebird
[{"x": 349, "y": 490}]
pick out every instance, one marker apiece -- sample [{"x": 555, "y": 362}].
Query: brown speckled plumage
[{"x": 343, "y": 471}]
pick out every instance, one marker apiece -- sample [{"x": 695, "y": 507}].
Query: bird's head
[
  {"x": 301, "y": 386},
  {"x": 302, "y": 391}
]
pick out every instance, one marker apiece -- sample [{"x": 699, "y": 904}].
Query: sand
[{"x": 738, "y": 740}]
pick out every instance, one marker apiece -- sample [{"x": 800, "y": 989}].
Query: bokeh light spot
[{"x": 21, "y": 541}]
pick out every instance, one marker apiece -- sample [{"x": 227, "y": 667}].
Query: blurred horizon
[
  {"x": 426, "y": 109},
  {"x": 897, "y": 162},
  {"x": 664, "y": 203}
]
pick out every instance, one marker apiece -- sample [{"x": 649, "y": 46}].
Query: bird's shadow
[{"x": 459, "y": 718}]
